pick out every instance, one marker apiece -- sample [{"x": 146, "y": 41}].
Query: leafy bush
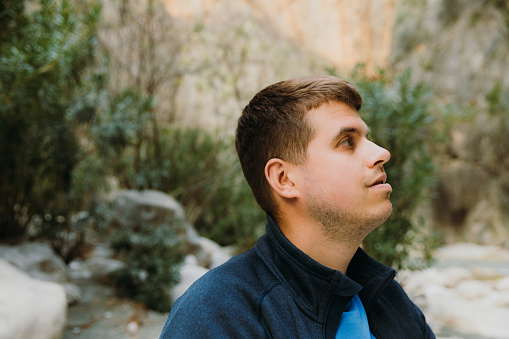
[
  {"x": 44, "y": 56},
  {"x": 205, "y": 176},
  {"x": 198, "y": 169},
  {"x": 152, "y": 260},
  {"x": 397, "y": 113}
]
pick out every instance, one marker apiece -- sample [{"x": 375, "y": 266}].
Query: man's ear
[{"x": 277, "y": 174}]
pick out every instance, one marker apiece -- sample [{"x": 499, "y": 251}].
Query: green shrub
[
  {"x": 205, "y": 176},
  {"x": 152, "y": 260},
  {"x": 44, "y": 56},
  {"x": 397, "y": 113},
  {"x": 196, "y": 167}
]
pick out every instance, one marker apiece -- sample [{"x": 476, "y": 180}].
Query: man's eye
[{"x": 346, "y": 142}]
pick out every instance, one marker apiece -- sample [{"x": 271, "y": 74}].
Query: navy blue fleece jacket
[{"x": 277, "y": 291}]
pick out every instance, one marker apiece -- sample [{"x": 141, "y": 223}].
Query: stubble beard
[{"x": 343, "y": 226}]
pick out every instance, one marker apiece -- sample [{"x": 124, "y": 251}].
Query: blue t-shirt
[{"x": 354, "y": 321}]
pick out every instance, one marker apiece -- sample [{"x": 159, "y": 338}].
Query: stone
[
  {"x": 212, "y": 254},
  {"x": 189, "y": 273},
  {"x": 416, "y": 282},
  {"x": 345, "y": 33},
  {"x": 453, "y": 275},
  {"x": 476, "y": 317},
  {"x": 484, "y": 273},
  {"x": 497, "y": 298},
  {"x": 94, "y": 268},
  {"x": 471, "y": 251},
  {"x": 503, "y": 284},
  {"x": 131, "y": 208},
  {"x": 218, "y": 258},
  {"x": 30, "y": 308},
  {"x": 472, "y": 289},
  {"x": 39, "y": 261}
]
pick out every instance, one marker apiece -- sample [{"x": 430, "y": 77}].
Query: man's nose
[{"x": 378, "y": 155}]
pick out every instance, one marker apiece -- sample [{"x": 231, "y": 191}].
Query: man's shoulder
[
  {"x": 244, "y": 275},
  {"x": 223, "y": 301}
]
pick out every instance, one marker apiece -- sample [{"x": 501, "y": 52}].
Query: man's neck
[{"x": 309, "y": 238}]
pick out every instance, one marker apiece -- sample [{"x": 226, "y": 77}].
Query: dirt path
[{"x": 101, "y": 315}]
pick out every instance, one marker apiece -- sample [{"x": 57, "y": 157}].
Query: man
[{"x": 305, "y": 152}]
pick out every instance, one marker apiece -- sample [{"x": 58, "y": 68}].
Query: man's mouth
[
  {"x": 380, "y": 180},
  {"x": 379, "y": 183}
]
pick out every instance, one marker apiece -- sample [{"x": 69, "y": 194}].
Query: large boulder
[
  {"x": 131, "y": 209},
  {"x": 30, "y": 308},
  {"x": 39, "y": 261},
  {"x": 212, "y": 254},
  {"x": 189, "y": 273}
]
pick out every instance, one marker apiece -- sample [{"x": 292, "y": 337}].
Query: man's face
[{"x": 343, "y": 179}]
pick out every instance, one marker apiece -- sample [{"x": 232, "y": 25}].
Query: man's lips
[
  {"x": 379, "y": 183},
  {"x": 380, "y": 180}
]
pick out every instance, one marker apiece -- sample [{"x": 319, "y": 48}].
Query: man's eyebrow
[{"x": 351, "y": 130}]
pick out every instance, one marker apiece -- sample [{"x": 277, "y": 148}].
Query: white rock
[
  {"x": 190, "y": 259},
  {"x": 218, "y": 258},
  {"x": 497, "y": 299},
  {"x": 130, "y": 208},
  {"x": 503, "y": 284},
  {"x": 472, "y": 289},
  {"x": 446, "y": 308},
  {"x": 471, "y": 251},
  {"x": 188, "y": 275},
  {"x": 40, "y": 262},
  {"x": 212, "y": 254},
  {"x": 415, "y": 282},
  {"x": 453, "y": 275},
  {"x": 30, "y": 308},
  {"x": 95, "y": 267},
  {"x": 486, "y": 273}
]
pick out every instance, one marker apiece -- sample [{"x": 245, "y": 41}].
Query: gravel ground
[{"x": 102, "y": 315}]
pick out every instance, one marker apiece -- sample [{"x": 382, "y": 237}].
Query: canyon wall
[{"x": 343, "y": 32}]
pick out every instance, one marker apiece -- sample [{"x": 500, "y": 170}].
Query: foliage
[
  {"x": 152, "y": 263},
  {"x": 43, "y": 58},
  {"x": 489, "y": 139},
  {"x": 216, "y": 197},
  {"x": 201, "y": 171},
  {"x": 397, "y": 113}
]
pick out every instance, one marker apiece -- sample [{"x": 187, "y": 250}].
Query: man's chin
[{"x": 383, "y": 216}]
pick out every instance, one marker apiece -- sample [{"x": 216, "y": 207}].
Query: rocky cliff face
[
  {"x": 343, "y": 32},
  {"x": 461, "y": 48}
]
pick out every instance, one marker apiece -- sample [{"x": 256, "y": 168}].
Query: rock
[
  {"x": 497, "y": 298},
  {"x": 190, "y": 259},
  {"x": 454, "y": 275},
  {"x": 39, "y": 261},
  {"x": 472, "y": 289},
  {"x": 446, "y": 308},
  {"x": 483, "y": 273},
  {"x": 503, "y": 284},
  {"x": 415, "y": 282},
  {"x": 30, "y": 308},
  {"x": 131, "y": 209},
  {"x": 189, "y": 273},
  {"x": 218, "y": 258},
  {"x": 94, "y": 268},
  {"x": 212, "y": 255},
  {"x": 471, "y": 251},
  {"x": 354, "y": 29}
]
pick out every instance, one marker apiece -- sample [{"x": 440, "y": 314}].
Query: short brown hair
[{"x": 273, "y": 125}]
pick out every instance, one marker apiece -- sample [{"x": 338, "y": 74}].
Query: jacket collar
[{"x": 313, "y": 285}]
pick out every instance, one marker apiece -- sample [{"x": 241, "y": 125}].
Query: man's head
[{"x": 274, "y": 125}]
